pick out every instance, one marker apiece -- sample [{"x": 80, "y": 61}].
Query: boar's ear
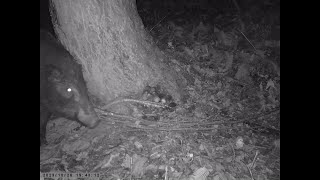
[{"x": 54, "y": 74}]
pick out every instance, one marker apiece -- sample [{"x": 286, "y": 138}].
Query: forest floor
[{"x": 227, "y": 129}]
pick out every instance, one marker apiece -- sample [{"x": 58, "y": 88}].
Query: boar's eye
[{"x": 69, "y": 92}]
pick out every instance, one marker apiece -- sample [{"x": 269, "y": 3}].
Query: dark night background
[
  {"x": 251, "y": 10},
  {"x": 45, "y": 20}
]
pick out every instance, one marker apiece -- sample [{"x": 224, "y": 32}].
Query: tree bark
[{"x": 108, "y": 38}]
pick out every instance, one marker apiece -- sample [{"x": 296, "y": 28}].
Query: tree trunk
[{"x": 117, "y": 55}]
